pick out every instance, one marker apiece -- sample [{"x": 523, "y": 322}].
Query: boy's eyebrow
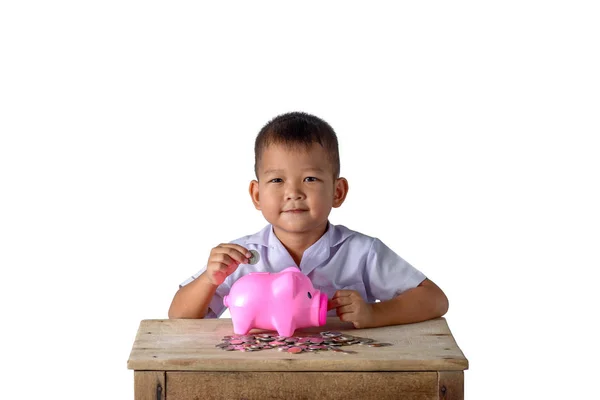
[{"x": 278, "y": 171}]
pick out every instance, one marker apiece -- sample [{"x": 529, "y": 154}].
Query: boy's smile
[{"x": 296, "y": 190}]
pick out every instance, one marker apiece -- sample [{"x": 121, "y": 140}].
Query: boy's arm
[
  {"x": 424, "y": 302},
  {"x": 192, "y": 300}
]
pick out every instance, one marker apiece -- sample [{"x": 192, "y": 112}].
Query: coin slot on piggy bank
[{"x": 282, "y": 301}]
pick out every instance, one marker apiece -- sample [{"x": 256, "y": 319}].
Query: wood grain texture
[
  {"x": 302, "y": 385},
  {"x": 146, "y": 382},
  {"x": 189, "y": 345},
  {"x": 451, "y": 385}
]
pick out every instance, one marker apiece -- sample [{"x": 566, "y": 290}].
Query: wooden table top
[{"x": 189, "y": 345}]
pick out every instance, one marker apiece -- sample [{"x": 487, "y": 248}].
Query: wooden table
[{"x": 177, "y": 359}]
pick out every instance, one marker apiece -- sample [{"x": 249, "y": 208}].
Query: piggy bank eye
[{"x": 309, "y": 295}]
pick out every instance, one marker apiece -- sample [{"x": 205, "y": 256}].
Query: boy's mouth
[{"x": 295, "y": 211}]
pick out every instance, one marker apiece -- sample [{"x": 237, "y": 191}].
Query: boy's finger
[
  {"x": 234, "y": 254},
  {"x": 345, "y": 309},
  {"x": 223, "y": 263},
  {"x": 233, "y": 250},
  {"x": 224, "y": 259},
  {"x": 222, "y": 267},
  {"x": 346, "y": 317},
  {"x": 339, "y": 301},
  {"x": 242, "y": 250},
  {"x": 342, "y": 293},
  {"x": 331, "y": 304},
  {"x": 214, "y": 265},
  {"x": 232, "y": 267}
]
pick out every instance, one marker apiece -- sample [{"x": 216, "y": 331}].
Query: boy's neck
[{"x": 297, "y": 243}]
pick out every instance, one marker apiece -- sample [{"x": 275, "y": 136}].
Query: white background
[{"x": 468, "y": 134}]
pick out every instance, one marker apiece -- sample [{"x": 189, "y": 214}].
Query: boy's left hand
[{"x": 350, "y": 307}]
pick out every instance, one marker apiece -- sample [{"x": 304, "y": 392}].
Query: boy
[{"x": 297, "y": 169}]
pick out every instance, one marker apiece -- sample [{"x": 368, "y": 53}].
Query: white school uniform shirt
[{"x": 341, "y": 259}]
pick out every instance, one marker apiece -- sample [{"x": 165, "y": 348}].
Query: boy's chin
[{"x": 296, "y": 228}]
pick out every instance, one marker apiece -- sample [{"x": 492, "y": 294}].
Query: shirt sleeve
[
  {"x": 216, "y": 306},
  {"x": 388, "y": 274}
]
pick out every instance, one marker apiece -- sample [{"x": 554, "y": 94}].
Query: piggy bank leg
[
  {"x": 284, "y": 328},
  {"x": 241, "y": 326}
]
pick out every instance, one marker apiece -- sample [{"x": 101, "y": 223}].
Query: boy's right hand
[{"x": 224, "y": 260}]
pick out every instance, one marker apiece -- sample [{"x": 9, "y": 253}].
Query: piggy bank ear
[{"x": 286, "y": 285}]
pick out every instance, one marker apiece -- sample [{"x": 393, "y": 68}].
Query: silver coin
[
  {"x": 379, "y": 344},
  {"x": 255, "y": 257}
]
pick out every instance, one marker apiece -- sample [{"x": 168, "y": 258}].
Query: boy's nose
[
  {"x": 294, "y": 193},
  {"x": 295, "y": 196}
]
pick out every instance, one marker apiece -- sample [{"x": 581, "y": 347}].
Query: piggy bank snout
[{"x": 322, "y": 308}]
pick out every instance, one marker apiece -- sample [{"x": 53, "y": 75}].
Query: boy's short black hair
[{"x": 298, "y": 129}]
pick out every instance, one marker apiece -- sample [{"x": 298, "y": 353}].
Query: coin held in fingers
[{"x": 254, "y": 258}]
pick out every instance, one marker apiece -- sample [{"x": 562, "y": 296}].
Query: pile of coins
[{"x": 325, "y": 341}]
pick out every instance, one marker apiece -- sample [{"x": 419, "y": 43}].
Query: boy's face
[{"x": 296, "y": 188}]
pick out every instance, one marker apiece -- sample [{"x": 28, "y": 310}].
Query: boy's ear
[
  {"x": 254, "y": 194},
  {"x": 340, "y": 192}
]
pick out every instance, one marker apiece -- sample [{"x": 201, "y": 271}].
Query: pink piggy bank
[{"x": 282, "y": 301}]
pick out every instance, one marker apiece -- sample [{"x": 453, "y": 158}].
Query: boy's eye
[
  {"x": 276, "y": 180},
  {"x": 310, "y": 179}
]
